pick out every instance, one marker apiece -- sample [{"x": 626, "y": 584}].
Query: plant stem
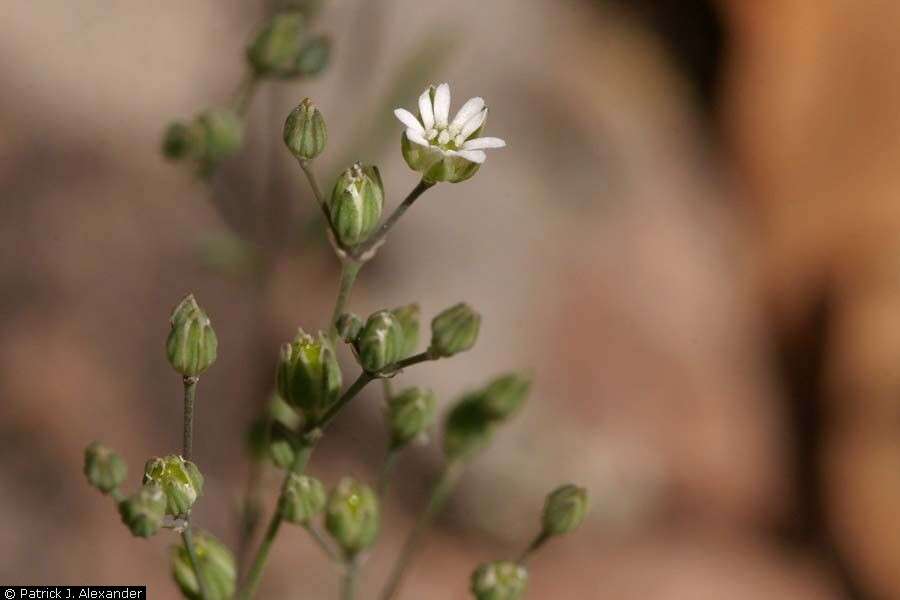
[
  {"x": 306, "y": 165},
  {"x": 440, "y": 493},
  {"x": 409, "y": 361},
  {"x": 360, "y": 251},
  {"x": 349, "y": 270},
  {"x": 387, "y": 468},
  {"x": 262, "y": 554},
  {"x": 351, "y": 578},
  {"x": 244, "y": 94},
  {"x": 187, "y": 451},
  {"x": 320, "y": 539},
  {"x": 533, "y": 547}
]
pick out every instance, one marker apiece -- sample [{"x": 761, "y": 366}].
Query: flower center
[{"x": 445, "y": 138}]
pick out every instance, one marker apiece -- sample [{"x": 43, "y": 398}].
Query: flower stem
[
  {"x": 440, "y": 493},
  {"x": 533, "y": 547},
  {"x": 306, "y": 165},
  {"x": 360, "y": 252},
  {"x": 384, "y": 476},
  {"x": 351, "y": 579},
  {"x": 187, "y": 451},
  {"x": 349, "y": 270},
  {"x": 322, "y": 542}
]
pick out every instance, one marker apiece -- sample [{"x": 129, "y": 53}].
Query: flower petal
[
  {"x": 426, "y": 110},
  {"x": 468, "y": 110},
  {"x": 416, "y": 137},
  {"x": 475, "y": 156},
  {"x": 408, "y": 119},
  {"x": 473, "y": 124},
  {"x": 442, "y": 105},
  {"x": 484, "y": 142}
]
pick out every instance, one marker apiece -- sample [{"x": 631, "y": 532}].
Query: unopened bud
[
  {"x": 500, "y": 580},
  {"x": 304, "y": 131},
  {"x": 302, "y": 500},
  {"x": 352, "y": 516},
  {"x": 409, "y": 320},
  {"x": 380, "y": 342},
  {"x": 410, "y": 413},
  {"x": 565, "y": 509},
  {"x": 275, "y": 49},
  {"x": 192, "y": 344},
  {"x": 313, "y": 56},
  {"x": 467, "y": 428},
  {"x": 144, "y": 511},
  {"x": 216, "y": 566},
  {"x": 309, "y": 377},
  {"x": 348, "y": 327},
  {"x": 179, "y": 479},
  {"x": 182, "y": 141},
  {"x": 223, "y": 134},
  {"x": 505, "y": 395},
  {"x": 356, "y": 203},
  {"x": 104, "y": 469},
  {"x": 455, "y": 330}
]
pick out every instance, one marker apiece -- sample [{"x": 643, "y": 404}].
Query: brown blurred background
[{"x": 692, "y": 238}]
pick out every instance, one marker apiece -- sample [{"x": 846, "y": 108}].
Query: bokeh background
[{"x": 692, "y": 238}]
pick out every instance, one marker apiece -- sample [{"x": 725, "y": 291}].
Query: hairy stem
[
  {"x": 360, "y": 251},
  {"x": 187, "y": 451},
  {"x": 306, "y": 165},
  {"x": 349, "y": 270},
  {"x": 440, "y": 493}
]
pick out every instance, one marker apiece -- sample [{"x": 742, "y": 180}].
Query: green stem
[
  {"x": 533, "y": 547},
  {"x": 360, "y": 252},
  {"x": 349, "y": 270},
  {"x": 384, "y": 476},
  {"x": 351, "y": 579},
  {"x": 187, "y": 451},
  {"x": 440, "y": 493},
  {"x": 188, "y": 539},
  {"x": 321, "y": 541}
]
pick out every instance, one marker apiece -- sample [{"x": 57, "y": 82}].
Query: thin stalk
[
  {"x": 409, "y": 361},
  {"x": 321, "y": 541},
  {"x": 440, "y": 493},
  {"x": 384, "y": 475},
  {"x": 349, "y": 270},
  {"x": 351, "y": 579},
  {"x": 240, "y": 103},
  {"x": 187, "y": 451},
  {"x": 360, "y": 251},
  {"x": 533, "y": 547},
  {"x": 306, "y": 165}
]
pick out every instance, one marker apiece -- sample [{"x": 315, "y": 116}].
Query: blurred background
[{"x": 691, "y": 238}]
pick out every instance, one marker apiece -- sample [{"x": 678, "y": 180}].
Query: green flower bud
[
  {"x": 356, "y": 203},
  {"x": 223, "y": 134},
  {"x": 434, "y": 166},
  {"x": 183, "y": 141},
  {"x": 144, "y": 511},
  {"x": 409, "y": 320},
  {"x": 454, "y": 330},
  {"x": 309, "y": 377},
  {"x": 276, "y": 48},
  {"x": 104, "y": 469},
  {"x": 348, "y": 327},
  {"x": 313, "y": 57},
  {"x": 505, "y": 395},
  {"x": 565, "y": 509},
  {"x": 409, "y": 414},
  {"x": 381, "y": 341},
  {"x": 500, "y": 580},
  {"x": 467, "y": 429},
  {"x": 180, "y": 480},
  {"x": 192, "y": 343},
  {"x": 351, "y": 516},
  {"x": 304, "y": 131},
  {"x": 283, "y": 445},
  {"x": 215, "y": 563},
  {"x": 302, "y": 500}
]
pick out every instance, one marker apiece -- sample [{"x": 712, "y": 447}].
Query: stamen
[{"x": 443, "y": 138}]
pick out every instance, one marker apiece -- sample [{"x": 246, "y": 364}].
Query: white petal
[
  {"x": 426, "y": 110},
  {"x": 416, "y": 137},
  {"x": 475, "y": 156},
  {"x": 442, "y": 105},
  {"x": 473, "y": 124},
  {"x": 408, "y": 119},
  {"x": 485, "y": 142},
  {"x": 468, "y": 110}
]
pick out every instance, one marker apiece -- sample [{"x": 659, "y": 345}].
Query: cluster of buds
[
  {"x": 211, "y": 137},
  {"x": 285, "y": 49},
  {"x": 386, "y": 338}
]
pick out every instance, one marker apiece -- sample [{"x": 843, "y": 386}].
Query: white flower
[{"x": 439, "y": 134}]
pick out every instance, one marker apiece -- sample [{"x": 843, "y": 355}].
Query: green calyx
[
  {"x": 499, "y": 580},
  {"x": 564, "y": 510},
  {"x": 309, "y": 377},
  {"x": 144, "y": 511},
  {"x": 352, "y": 516},
  {"x": 191, "y": 346},
  {"x": 409, "y": 414},
  {"x": 104, "y": 469},
  {"x": 305, "y": 133},
  {"x": 216, "y": 566},
  {"x": 302, "y": 500},
  {"x": 179, "y": 479},
  {"x": 408, "y": 316},
  {"x": 356, "y": 203},
  {"x": 381, "y": 341},
  {"x": 505, "y": 395},
  {"x": 453, "y": 331}
]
